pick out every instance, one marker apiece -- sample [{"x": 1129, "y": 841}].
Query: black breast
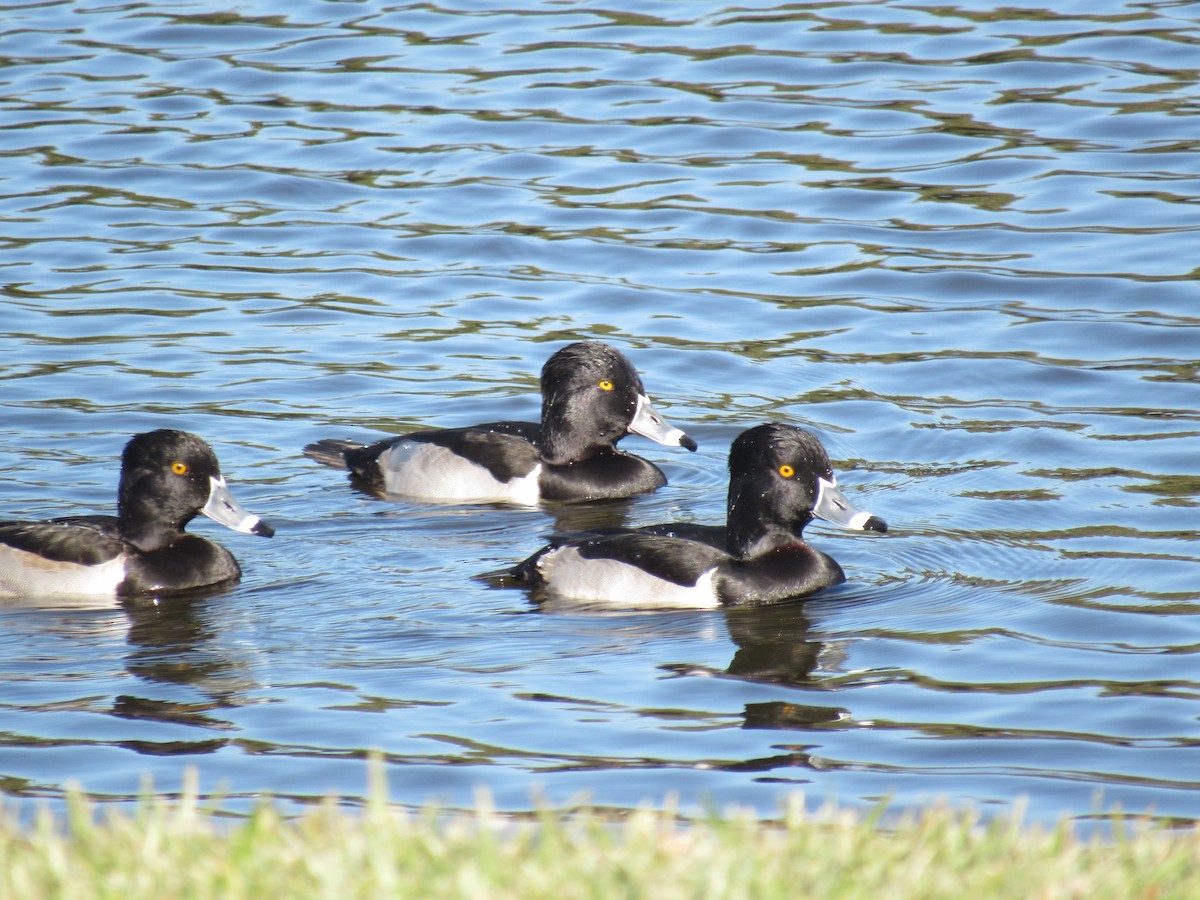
[
  {"x": 792, "y": 571},
  {"x": 189, "y": 563},
  {"x": 604, "y": 476}
]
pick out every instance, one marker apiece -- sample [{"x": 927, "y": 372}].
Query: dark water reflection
[
  {"x": 957, "y": 240},
  {"x": 168, "y": 646}
]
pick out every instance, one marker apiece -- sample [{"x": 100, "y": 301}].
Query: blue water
[{"x": 957, "y": 240}]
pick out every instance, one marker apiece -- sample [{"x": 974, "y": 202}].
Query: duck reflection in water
[
  {"x": 168, "y": 662},
  {"x": 174, "y": 643},
  {"x": 773, "y": 647}
]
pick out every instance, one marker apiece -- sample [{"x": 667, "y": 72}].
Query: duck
[
  {"x": 167, "y": 478},
  {"x": 780, "y": 478},
  {"x": 592, "y": 397}
]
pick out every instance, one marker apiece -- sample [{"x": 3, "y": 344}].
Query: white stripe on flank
[
  {"x": 571, "y": 576},
  {"x": 24, "y": 574},
  {"x": 429, "y": 472}
]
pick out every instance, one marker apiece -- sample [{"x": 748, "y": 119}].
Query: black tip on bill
[
  {"x": 262, "y": 529},
  {"x": 875, "y": 524},
  {"x": 686, "y": 441}
]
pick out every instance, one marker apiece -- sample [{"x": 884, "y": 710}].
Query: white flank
[
  {"x": 429, "y": 472},
  {"x": 571, "y": 576},
  {"x": 25, "y": 574}
]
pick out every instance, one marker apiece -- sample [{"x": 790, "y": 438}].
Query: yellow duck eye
[
  {"x": 605, "y": 385},
  {"x": 786, "y": 471},
  {"x": 179, "y": 468}
]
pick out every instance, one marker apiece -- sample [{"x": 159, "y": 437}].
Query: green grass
[{"x": 176, "y": 850}]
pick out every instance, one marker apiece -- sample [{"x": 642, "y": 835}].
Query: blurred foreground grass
[{"x": 175, "y": 849}]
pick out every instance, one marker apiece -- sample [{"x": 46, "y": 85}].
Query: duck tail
[{"x": 331, "y": 451}]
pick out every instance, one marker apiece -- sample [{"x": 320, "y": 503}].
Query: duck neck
[
  {"x": 566, "y": 436},
  {"x": 753, "y": 529},
  {"x": 148, "y": 537},
  {"x": 143, "y": 524}
]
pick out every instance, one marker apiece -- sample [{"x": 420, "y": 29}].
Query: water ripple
[{"x": 957, "y": 242}]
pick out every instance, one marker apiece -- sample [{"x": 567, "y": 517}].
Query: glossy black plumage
[
  {"x": 591, "y": 398},
  {"x": 167, "y": 478},
  {"x": 779, "y": 478}
]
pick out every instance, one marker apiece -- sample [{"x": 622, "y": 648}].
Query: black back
[
  {"x": 166, "y": 479},
  {"x": 759, "y": 556},
  {"x": 590, "y": 397},
  {"x": 505, "y": 449}
]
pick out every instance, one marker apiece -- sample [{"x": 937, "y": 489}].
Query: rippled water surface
[{"x": 959, "y": 240}]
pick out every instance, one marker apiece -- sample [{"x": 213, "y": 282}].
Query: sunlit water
[{"x": 958, "y": 240}]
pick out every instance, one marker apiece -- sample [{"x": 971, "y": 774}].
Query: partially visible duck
[
  {"x": 779, "y": 479},
  {"x": 591, "y": 398},
  {"x": 167, "y": 477}
]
